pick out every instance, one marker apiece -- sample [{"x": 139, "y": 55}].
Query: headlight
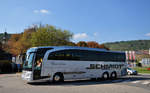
[{"x": 28, "y": 75}]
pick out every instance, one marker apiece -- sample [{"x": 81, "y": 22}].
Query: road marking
[
  {"x": 145, "y": 82},
  {"x": 135, "y": 81}
]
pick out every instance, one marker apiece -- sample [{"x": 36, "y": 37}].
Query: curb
[
  {"x": 143, "y": 74},
  {"x": 18, "y": 73}
]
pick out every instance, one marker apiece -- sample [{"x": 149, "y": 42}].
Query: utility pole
[{"x": 4, "y": 38}]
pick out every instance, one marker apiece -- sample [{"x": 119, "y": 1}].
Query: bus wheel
[
  {"x": 58, "y": 77},
  {"x": 113, "y": 75},
  {"x": 105, "y": 76}
]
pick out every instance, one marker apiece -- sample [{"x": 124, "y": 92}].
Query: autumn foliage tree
[
  {"x": 38, "y": 36},
  {"x": 91, "y": 44},
  {"x": 19, "y": 43},
  {"x": 103, "y": 46},
  {"x": 13, "y": 43}
]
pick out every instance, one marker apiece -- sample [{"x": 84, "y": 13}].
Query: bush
[
  {"x": 148, "y": 68},
  {"x": 139, "y": 65},
  {"x": 5, "y": 66}
]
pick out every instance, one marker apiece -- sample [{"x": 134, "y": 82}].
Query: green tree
[
  {"x": 71, "y": 44},
  {"x": 25, "y": 41},
  {"x": 0, "y": 45},
  {"x": 50, "y": 36},
  {"x": 82, "y": 44},
  {"x": 38, "y": 36}
]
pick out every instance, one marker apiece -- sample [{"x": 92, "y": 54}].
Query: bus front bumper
[{"x": 27, "y": 75}]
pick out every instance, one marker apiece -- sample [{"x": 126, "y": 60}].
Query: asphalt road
[{"x": 12, "y": 83}]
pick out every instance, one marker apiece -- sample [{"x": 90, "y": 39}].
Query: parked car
[{"x": 131, "y": 71}]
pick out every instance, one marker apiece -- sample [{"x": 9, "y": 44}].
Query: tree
[
  {"x": 50, "y": 36},
  {"x": 25, "y": 41},
  {"x": 103, "y": 46},
  {"x": 71, "y": 44},
  {"x": 19, "y": 43},
  {"x": 13, "y": 44},
  {"x": 0, "y": 45},
  {"x": 38, "y": 36},
  {"x": 82, "y": 44},
  {"x": 92, "y": 44}
]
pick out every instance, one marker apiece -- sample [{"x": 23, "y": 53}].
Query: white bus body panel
[{"x": 77, "y": 69}]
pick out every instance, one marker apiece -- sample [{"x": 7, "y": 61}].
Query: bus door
[
  {"x": 38, "y": 63},
  {"x": 37, "y": 67}
]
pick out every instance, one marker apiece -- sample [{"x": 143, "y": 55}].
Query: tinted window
[
  {"x": 41, "y": 52},
  {"x": 86, "y": 55}
]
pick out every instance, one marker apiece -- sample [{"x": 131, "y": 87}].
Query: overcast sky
[{"x": 89, "y": 20}]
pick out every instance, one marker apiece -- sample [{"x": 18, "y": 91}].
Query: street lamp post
[{"x": 4, "y": 39}]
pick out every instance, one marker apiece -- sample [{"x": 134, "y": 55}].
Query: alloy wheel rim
[
  {"x": 113, "y": 75},
  {"x": 57, "y": 78},
  {"x": 105, "y": 76}
]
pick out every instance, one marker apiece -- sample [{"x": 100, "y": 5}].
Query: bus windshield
[{"x": 29, "y": 60}]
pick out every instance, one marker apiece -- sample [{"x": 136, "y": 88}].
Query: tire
[
  {"x": 58, "y": 77},
  {"x": 113, "y": 75},
  {"x": 105, "y": 76}
]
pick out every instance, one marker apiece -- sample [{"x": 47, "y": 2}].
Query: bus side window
[
  {"x": 51, "y": 56},
  {"x": 58, "y": 55}
]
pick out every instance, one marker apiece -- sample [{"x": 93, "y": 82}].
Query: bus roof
[{"x": 72, "y": 47}]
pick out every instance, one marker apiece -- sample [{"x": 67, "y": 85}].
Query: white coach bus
[{"x": 59, "y": 63}]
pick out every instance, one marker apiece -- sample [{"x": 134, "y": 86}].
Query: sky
[{"x": 89, "y": 20}]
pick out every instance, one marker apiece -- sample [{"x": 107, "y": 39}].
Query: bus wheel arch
[
  {"x": 105, "y": 75},
  {"x": 58, "y": 77},
  {"x": 113, "y": 75}
]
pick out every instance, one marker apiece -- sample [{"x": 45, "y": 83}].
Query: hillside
[{"x": 129, "y": 45}]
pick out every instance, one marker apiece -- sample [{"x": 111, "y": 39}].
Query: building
[{"x": 145, "y": 62}]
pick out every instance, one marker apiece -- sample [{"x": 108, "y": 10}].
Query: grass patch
[{"x": 142, "y": 70}]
